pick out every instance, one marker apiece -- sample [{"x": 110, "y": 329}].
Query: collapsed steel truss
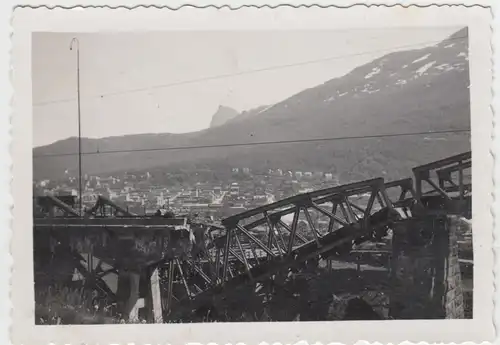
[
  {"x": 449, "y": 185},
  {"x": 254, "y": 245}
]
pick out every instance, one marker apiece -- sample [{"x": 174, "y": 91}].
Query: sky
[{"x": 157, "y": 82}]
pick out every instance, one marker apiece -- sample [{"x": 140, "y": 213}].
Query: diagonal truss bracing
[
  {"x": 450, "y": 177},
  {"x": 254, "y": 245},
  {"x": 446, "y": 185}
]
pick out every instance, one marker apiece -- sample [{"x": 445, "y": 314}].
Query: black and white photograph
[
  {"x": 314, "y": 175},
  {"x": 210, "y": 176}
]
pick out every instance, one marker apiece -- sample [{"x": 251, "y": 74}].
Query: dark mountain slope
[{"x": 411, "y": 91}]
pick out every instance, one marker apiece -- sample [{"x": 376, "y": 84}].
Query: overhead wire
[
  {"x": 311, "y": 140},
  {"x": 254, "y": 143},
  {"x": 259, "y": 70}
]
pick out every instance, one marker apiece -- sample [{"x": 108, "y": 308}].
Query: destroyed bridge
[{"x": 186, "y": 269}]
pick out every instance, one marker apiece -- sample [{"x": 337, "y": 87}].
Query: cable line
[
  {"x": 221, "y": 76},
  {"x": 257, "y": 143}
]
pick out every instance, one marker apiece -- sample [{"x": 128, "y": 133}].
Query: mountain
[
  {"x": 408, "y": 91},
  {"x": 226, "y": 114},
  {"x": 223, "y": 115}
]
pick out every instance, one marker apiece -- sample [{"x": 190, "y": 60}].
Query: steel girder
[
  {"x": 448, "y": 183},
  {"x": 50, "y": 203},
  {"x": 256, "y": 244}
]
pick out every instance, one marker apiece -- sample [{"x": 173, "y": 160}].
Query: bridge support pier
[
  {"x": 139, "y": 296},
  {"x": 150, "y": 293},
  {"x": 129, "y": 301},
  {"x": 426, "y": 278}
]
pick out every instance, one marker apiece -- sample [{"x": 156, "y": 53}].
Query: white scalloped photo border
[{"x": 16, "y": 165}]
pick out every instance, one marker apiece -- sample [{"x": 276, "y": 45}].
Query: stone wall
[
  {"x": 454, "y": 299},
  {"x": 426, "y": 280}
]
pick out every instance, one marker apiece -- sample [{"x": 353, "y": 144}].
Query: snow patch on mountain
[
  {"x": 401, "y": 82},
  {"x": 426, "y": 56},
  {"x": 445, "y": 67},
  {"x": 366, "y": 87},
  {"x": 338, "y": 95},
  {"x": 266, "y": 108},
  {"x": 424, "y": 68},
  {"x": 375, "y": 71}
]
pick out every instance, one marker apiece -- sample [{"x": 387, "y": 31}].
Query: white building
[
  {"x": 160, "y": 200},
  {"x": 234, "y": 189}
]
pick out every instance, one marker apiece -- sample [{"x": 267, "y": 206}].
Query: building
[
  {"x": 114, "y": 193},
  {"x": 89, "y": 197},
  {"x": 234, "y": 189},
  {"x": 135, "y": 198},
  {"x": 160, "y": 200},
  {"x": 305, "y": 190},
  {"x": 318, "y": 174},
  {"x": 259, "y": 200},
  {"x": 128, "y": 189}
]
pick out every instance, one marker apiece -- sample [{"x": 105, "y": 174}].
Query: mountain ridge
[{"x": 408, "y": 91}]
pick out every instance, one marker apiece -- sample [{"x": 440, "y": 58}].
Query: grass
[{"x": 62, "y": 305}]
